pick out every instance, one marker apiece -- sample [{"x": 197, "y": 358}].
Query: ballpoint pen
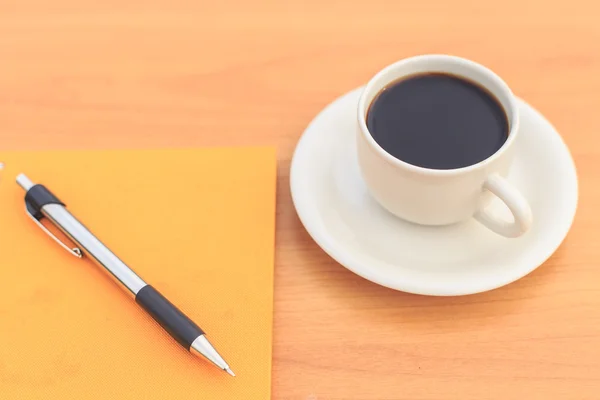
[{"x": 40, "y": 203}]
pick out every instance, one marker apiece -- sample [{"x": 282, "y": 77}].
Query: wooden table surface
[{"x": 137, "y": 73}]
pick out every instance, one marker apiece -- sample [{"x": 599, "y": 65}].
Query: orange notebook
[{"x": 197, "y": 224}]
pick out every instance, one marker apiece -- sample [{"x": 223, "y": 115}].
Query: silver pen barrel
[{"x": 92, "y": 247}]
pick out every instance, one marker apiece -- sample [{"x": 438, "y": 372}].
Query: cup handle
[{"x": 515, "y": 202}]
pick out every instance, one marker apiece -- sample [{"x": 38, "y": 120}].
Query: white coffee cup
[{"x": 443, "y": 196}]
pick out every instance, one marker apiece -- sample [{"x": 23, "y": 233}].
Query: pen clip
[{"x": 76, "y": 251}]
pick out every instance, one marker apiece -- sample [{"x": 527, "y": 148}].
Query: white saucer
[{"x": 340, "y": 215}]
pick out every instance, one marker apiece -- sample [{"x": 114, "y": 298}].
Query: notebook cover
[{"x": 197, "y": 224}]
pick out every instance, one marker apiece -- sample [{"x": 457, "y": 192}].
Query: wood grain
[{"x": 133, "y": 73}]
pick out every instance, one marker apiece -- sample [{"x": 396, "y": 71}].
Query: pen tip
[{"x": 229, "y": 371}]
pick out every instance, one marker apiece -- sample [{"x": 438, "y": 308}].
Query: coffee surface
[{"x": 437, "y": 121}]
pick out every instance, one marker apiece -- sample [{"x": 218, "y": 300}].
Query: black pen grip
[{"x": 183, "y": 329}]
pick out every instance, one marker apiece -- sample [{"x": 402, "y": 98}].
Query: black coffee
[{"x": 437, "y": 121}]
